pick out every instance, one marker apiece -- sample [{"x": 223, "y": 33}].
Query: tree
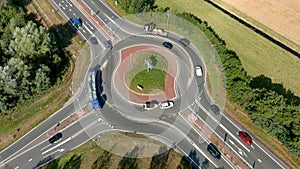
[
  {"x": 42, "y": 80},
  {"x": 14, "y": 83},
  {"x": 30, "y": 42}
]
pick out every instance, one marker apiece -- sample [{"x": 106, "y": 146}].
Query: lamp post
[{"x": 168, "y": 14}]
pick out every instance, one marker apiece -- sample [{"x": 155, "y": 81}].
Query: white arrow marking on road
[
  {"x": 63, "y": 142},
  {"x": 189, "y": 82},
  {"x": 104, "y": 64}
]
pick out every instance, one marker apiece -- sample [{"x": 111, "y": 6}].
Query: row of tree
[
  {"x": 269, "y": 105},
  {"x": 29, "y": 59},
  {"x": 137, "y": 6}
]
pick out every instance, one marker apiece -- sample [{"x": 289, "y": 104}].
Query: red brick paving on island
[{"x": 169, "y": 92}]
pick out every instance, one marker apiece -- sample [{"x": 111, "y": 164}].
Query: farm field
[
  {"x": 258, "y": 55},
  {"x": 281, "y": 16}
]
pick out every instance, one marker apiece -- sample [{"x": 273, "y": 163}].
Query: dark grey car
[
  {"x": 213, "y": 150},
  {"x": 56, "y": 137},
  {"x": 168, "y": 45}
]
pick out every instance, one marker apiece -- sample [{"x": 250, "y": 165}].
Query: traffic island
[{"x": 146, "y": 73}]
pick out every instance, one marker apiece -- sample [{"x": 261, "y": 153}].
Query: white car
[
  {"x": 166, "y": 104},
  {"x": 198, "y": 70}
]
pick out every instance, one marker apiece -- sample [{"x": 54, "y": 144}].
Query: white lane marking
[
  {"x": 30, "y": 160},
  {"x": 58, "y": 150},
  {"x": 83, "y": 30},
  {"x": 17, "y": 167},
  {"x": 221, "y": 138},
  {"x": 74, "y": 14},
  {"x": 221, "y": 125},
  {"x": 259, "y": 160},
  {"x": 63, "y": 142},
  {"x": 189, "y": 82},
  {"x": 233, "y": 136},
  {"x": 104, "y": 64},
  {"x": 64, "y": 8},
  {"x": 45, "y": 147},
  {"x": 70, "y": 9},
  {"x": 93, "y": 2}
]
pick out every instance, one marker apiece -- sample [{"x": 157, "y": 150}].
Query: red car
[{"x": 245, "y": 137}]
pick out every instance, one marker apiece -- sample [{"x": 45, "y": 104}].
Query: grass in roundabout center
[
  {"x": 142, "y": 80},
  {"x": 148, "y": 81}
]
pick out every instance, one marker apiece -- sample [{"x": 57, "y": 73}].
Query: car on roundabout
[
  {"x": 245, "y": 137},
  {"x": 151, "y": 105},
  {"x": 198, "y": 70},
  {"x": 166, "y": 104},
  {"x": 168, "y": 45}
]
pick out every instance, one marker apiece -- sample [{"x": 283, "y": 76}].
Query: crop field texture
[
  {"x": 258, "y": 55},
  {"x": 282, "y": 16}
]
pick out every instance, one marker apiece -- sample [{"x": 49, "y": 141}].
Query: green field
[
  {"x": 139, "y": 75},
  {"x": 151, "y": 81},
  {"x": 258, "y": 55}
]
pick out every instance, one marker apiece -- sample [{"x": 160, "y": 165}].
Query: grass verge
[
  {"x": 90, "y": 153},
  {"x": 151, "y": 81}
]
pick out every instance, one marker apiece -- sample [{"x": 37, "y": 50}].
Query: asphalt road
[{"x": 34, "y": 150}]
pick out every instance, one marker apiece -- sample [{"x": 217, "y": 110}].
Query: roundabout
[{"x": 179, "y": 81}]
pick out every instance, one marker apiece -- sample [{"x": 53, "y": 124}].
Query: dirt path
[{"x": 282, "y": 16}]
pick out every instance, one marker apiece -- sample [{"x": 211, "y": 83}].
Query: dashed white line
[
  {"x": 259, "y": 160},
  {"x": 30, "y": 160},
  {"x": 70, "y": 9}
]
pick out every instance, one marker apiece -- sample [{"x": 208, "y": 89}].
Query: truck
[{"x": 151, "y": 29}]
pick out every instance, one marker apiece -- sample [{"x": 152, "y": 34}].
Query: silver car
[
  {"x": 166, "y": 104},
  {"x": 198, "y": 70}
]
